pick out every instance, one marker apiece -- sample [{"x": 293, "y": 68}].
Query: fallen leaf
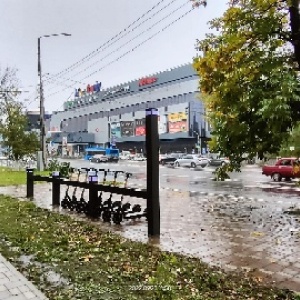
[{"x": 257, "y": 234}]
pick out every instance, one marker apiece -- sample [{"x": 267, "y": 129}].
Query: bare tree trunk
[{"x": 295, "y": 29}]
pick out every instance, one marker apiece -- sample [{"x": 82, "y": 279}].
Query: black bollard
[
  {"x": 56, "y": 188},
  {"x": 93, "y": 194},
  {"x": 30, "y": 182},
  {"x": 152, "y": 148}
]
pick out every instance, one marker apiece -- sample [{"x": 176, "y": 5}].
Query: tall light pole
[{"x": 42, "y": 108}]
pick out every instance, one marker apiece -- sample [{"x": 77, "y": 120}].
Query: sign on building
[
  {"x": 64, "y": 141},
  {"x": 148, "y": 80},
  {"x": 127, "y": 128}
]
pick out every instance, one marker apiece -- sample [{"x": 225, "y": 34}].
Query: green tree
[
  {"x": 292, "y": 141},
  {"x": 13, "y": 122},
  {"x": 248, "y": 76}
]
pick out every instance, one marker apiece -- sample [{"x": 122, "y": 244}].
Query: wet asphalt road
[{"x": 248, "y": 183}]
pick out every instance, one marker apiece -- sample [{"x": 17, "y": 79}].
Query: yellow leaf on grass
[
  {"x": 87, "y": 257},
  {"x": 257, "y": 234}
]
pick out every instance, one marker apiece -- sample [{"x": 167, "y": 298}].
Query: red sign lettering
[{"x": 148, "y": 80}]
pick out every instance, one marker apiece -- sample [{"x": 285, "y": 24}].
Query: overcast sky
[{"x": 100, "y": 49}]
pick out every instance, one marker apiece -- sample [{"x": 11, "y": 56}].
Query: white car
[
  {"x": 139, "y": 158},
  {"x": 124, "y": 157},
  {"x": 218, "y": 161},
  {"x": 191, "y": 161}
]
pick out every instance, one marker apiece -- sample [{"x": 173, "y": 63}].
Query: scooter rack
[{"x": 95, "y": 207}]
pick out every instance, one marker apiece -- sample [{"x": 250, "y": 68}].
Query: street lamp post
[{"x": 42, "y": 106}]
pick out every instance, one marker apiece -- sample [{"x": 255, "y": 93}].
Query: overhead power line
[
  {"x": 128, "y": 42},
  {"x": 140, "y": 44},
  {"x": 87, "y": 57},
  {"x": 94, "y": 53},
  {"x": 134, "y": 48},
  {"x": 58, "y": 82},
  {"x": 134, "y": 38}
]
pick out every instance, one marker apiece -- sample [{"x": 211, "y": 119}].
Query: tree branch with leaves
[
  {"x": 13, "y": 120},
  {"x": 248, "y": 77}
]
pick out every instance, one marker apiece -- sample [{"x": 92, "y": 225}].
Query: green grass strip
[
  {"x": 96, "y": 264},
  {"x": 12, "y": 177}
]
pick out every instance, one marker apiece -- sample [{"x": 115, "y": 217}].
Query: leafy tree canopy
[
  {"x": 13, "y": 121},
  {"x": 248, "y": 78},
  {"x": 291, "y": 147}
]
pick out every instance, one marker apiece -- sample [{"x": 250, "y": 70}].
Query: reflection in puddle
[
  {"x": 49, "y": 275},
  {"x": 25, "y": 260}
]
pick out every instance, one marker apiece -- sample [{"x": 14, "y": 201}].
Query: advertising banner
[
  {"x": 127, "y": 128},
  {"x": 162, "y": 124},
  {"x": 140, "y": 127},
  {"x": 177, "y": 122},
  {"x": 115, "y": 130},
  {"x": 180, "y": 126},
  {"x": 177, "y": 117}
]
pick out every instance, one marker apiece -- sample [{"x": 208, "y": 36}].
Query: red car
[{"x": 283, "y": 168}]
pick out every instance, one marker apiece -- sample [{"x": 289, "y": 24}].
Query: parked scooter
[
  {"x": 82, "y": 204},
  {"x": 66, "y": 201},
  {"x": 107, "y": 208},
  {"x": 72, "y": 205}
]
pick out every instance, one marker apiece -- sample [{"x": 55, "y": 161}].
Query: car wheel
[
  {"x": 193, "y": 165},
  {"x": 276, "y": 177},
  {"x": 176, "y": 164}
]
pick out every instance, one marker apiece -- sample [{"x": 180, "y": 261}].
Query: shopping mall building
[{"x": 117, "y": 115}]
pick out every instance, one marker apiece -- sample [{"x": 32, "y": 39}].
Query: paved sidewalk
[{"x": 14, "y": 286}]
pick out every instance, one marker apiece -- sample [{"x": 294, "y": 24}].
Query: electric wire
[
  {"x": 140, "y": 44},
  {"x": 102, "y": 48},
  {"x": 68, "y": 79},
  {"x": 110, "y": 40},
  {"x": 134, "y": 48},
  {"x": 128, "y": 42}
]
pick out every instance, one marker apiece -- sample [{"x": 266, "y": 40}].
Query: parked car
[
  {"x": 170, "y": 158},
  {"x": 191, "y": 161},
  {"x": 283, "y": 168},
  {"x": 98, "y": 158},
  {"x": 139, "y": 158},
  {"x": 124, "y": 155},
  {"x": 217, "y": 161}
]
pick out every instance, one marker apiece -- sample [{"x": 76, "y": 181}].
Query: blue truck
[{"x": 112, "y": 154}]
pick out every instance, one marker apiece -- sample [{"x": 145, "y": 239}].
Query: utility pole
[
  {"x": 42, "y": 112},
  {"x": 42, "y": 100}
]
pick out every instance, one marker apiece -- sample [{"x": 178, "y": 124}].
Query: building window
[
  {"x": 120, "y": 116},
  {"x": 133, "y": 114},
  {"x": 166, "y": 108}
]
